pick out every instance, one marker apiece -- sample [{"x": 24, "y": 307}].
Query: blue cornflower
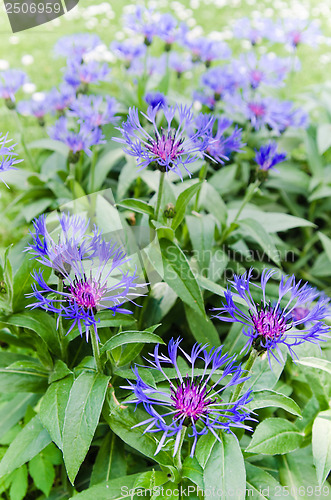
[
  {"x": 180, "y": 63},
  {"x": 166, "y": 148},
  {"x": 68, "y": 243},
  {"x": 11, "y": 81},
  {"x": 267, "y": 157},
  {"x": 222, "y": 146},
  {"x": 95, "y": 110},
  {"x": 61, "y": 98},
  {"x": 296, "y": 31},
  {"x": 221, "y": 80},
  {"x": 254, "y": 30},
  {"x": 143, "y": 21},
  {"x": 78, "y": 74},
  {"x": 38, "y": 108},
  {"x": 266, "y": 111},
  {"x": 156, "y": 99},
  {"x": 92, "y": 270},
  {"x": 169, "y": 31},
  {"x": 128, "y": 50},
  {"x": 267, "y": 70},
  {"x": 207, "y": 50},
  {"x": 77, "y": 45},
  {"x": 77, "y": 139},
  {"x": 7, "y": 155},
  {"x": 191, "y": 400},
  {"x": 270, "y": 325}
]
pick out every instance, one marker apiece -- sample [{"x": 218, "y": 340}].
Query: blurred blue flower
[
  {"x": 77, "y": 45},
  {"x": 269, "y": 325},
  {"x": 206, "y": 50},
  {"x": 167, "y": 148},
  {"x": 221, "y": 80},
  {"x": 11, "y": 81},
  {"x": 7, "y": 156},
  {"x": 77, "y": 139},
  {"x": 142, "y": 21},
  {"x": 296, "y": 31},
  {"x": 128, "y": 50},
  {"x": 38, "y": 108},
  {"x": 61, "y": 98},
  {"x": 180, "y": 62},
  {"x": 222, "y": 146},
  {"x": 267, "y": 157},
  {"x": 93, "y": 274},
  {"x": 78, "y": 74},
  {"x": 254, "y": 30},
  {"x": 156, "y": 99},
  {"x": 188, "y": 399},
  {"x": 94, "y": 110}
]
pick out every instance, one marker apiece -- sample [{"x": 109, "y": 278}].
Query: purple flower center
[
  {"x": 190, "y": 400},
  {"x": 268, "y": 322},
  {"x": 166, "y": 147},
  {"x": 296, "y": 37},
  {"x": 257, "y": 108},
  {"x": 86, "y": 292}
]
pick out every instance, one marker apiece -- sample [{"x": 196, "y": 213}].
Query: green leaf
[
  {"x": 132, "y": 337},
  {"x": 32, "y": 439},
  {"x": 23, "y": 281},
  {"x": 225, "y": 469},
  {"x": 323, "y": 137},
  {"x": 19, "y": 485},
  {"x": 212, "y": 201},
  {"x": 275, "y": 436},
  {"x": 14, "y": 410},
  {"x": 122, "y": 419},
  {"x": 179, "y": 276},
  {"x": 53, "y": 406},
  {"x": 50, "y": 144},
  {"x": 104, "y": 165},
  {"x": 326, "y": 242},
  {"x": 120, "y": 488},
  {"x": 201, "y": 230},
  {"x": 258, "y": 233},
  {"x": 202, "y": 328},
  {"x": 110, "y": 462},
  {"x": 319, "y": 364},
  {"x": 181, "y": 204},
  {"x": 297, "y": 473},
  {"x": 193, "y": 471},
  {"x": 40, "y": 322},
  {"x": 81, "y": 418},
  {"x": 260, "y": 484},
  {"x": 23, "y": 376},
  {"x": 280, "y": 221},
  {"x": 137, "y": 206},
  {"x": 266, "y": 398},
  {"x": 204, "y": 448},
  {"x": 322, "y": 445},
  {"x": 42, "y": 472}
]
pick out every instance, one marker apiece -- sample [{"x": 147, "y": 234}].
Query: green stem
[
  {"x": 202, "y": 177},
  {"x": 178, "y": 456},
  {"x": 93, "y": 163},
  {"x": 95, "y": 348},
  {"x": 26, "y": 151},
  {"x": 248, "y": 367},
  {"x": 60, "y": 323},
  {"x": 159, "y": 195},
  {"x": 252, "y": 188}
]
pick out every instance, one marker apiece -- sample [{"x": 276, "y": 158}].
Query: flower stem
[
  {"x": 95, "y": 348},
  {"x": 60, "y": 327},
  {"x": 93, "y": 163},
  {"x": 252, "y": 188},
  {"x": 202, "y": 177},
  {"x": 178, "y": 456},
  {"x": 20, "y": 127},
  {"x": 159, "y": 195},
  {"x": 248, "y": 367}
]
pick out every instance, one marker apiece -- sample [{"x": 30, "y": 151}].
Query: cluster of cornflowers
[{"x": 94, "y": 274}]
